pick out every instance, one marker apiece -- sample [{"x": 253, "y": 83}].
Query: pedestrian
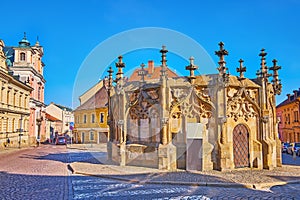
[
  {"x": 7, "y": 142},
  {"x": 37, "y": 142}
]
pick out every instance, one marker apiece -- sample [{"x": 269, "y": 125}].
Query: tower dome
[{"x": 24, "y": 42}]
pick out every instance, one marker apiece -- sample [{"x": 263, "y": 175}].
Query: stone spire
[
  {"x": 241, "y": 69},
  {"x": 142, "y": 73},
  {"x": 163, "y": 70},
  {"x": 222, "y": 64},
  {"x": 110, "y": 78},
  {"x": 221, "y": 54},
  {"x": 192, "y": 67},
  {"x": 37, "y": 43},
  {"x": 263, "y": 64},
  {"x": 120, "y": 65},
  {"x": 276, "y": 81}
]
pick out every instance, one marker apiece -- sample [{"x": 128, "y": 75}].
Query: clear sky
[{"x": 70, "y": 30}]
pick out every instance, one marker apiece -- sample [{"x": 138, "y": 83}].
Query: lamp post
[
  {"x": 20, "y": 130},
  {"x": 39, "y": 123}
]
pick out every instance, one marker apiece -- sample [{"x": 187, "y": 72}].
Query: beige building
[
  {"x": 14, "y": 106},
  {"x": 196, "y": 122},
  {"x": 58, "y": 120}
]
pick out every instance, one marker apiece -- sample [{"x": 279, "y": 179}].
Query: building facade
[
  {"x": 14, "y": 106},
  {"x": 58, "y": 120},
  {"x": 91, "y": 119},
  {"x": 26, "y": 62},
  {"x": 288, "y": 114},
  {"x": 195, "y": 122}
]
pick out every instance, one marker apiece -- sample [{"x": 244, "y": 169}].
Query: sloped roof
[
  {"x": 63, "y": 107},
  {"x": 287, "y": 101},
  {"x": 99, "y": 100},
  {"x": 10, "y": 55}
]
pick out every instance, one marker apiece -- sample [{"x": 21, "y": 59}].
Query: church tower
[{"x": 26, "y": 62}]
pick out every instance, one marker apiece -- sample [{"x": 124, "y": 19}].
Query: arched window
[{"x": 22, "y": 56}]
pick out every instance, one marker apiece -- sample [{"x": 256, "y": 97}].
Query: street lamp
[
  {"x": 20, "y": 130},
  {"x": 39, "y": 123}
]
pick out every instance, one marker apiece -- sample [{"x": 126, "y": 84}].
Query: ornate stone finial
[
  {"x": 264, "y": 68},
  {"x": 110, "y": 78},
  {"x": 37, "y": 43},
  {"x": 120, "y": 65},
  {"x": 276, "y": 81},
  {"x": 221, "y": 54},
  {"x": 192, "y": 67},
  {"x": 241, "y": 69},
  {"x": 142, "y": 72},
  {"x": 163, "y": 52}
]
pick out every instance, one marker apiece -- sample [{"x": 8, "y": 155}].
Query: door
[
  {"x": 82, "y": 137},
  {"x": 241, "y": 146},
  {"x": 194, "y": 146}
]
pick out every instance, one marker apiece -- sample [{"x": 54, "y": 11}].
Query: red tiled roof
[
  {"x": 51, "y": 118},
  {"x": 99, "y": 100},
  {"x": 150, "y": 76}
]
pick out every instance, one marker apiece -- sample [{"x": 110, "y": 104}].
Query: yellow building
[
  {"x": 14, "y": 107},
  {"x": 288, "y": 114},
  {"x": 91, "y": 119}
]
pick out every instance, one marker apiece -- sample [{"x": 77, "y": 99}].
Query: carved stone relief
[{"x": 242, "y": 103}]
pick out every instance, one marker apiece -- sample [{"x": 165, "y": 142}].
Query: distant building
[
  {"x": 195, "y": 122},
  {"x": 150, "y": 73},
  {"x": 58, "y": 120},
  {"x": 14, "y": 106},
  {"x": 26, "y": 62},
  {"x": 288, "y": 113}
]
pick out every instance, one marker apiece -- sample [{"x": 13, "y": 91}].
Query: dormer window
[{"x": 22, "y": 56}]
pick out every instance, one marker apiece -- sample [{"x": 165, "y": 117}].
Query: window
[
  {"x": 84, "y": 119},
  {"x": 39, "y": 93},
  {"x": 92, "y": 135},
  {"x": 20, "y": 100},
  {"x": 22, "y": 56},
  {"x": 101, "y": 117},
  {"x": 296, "y": 118},
  {"x": 93, "y": 118}
]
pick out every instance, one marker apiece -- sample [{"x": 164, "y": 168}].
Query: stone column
[{"x": 166, "y": 150}]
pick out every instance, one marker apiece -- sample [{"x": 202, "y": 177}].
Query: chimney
[
  {"x": 295, "y": 94},
  {"x": 150, "y": 66},
  {"x": 289, "y": 96}
]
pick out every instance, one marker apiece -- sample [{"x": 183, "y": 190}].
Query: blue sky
[{"x": 70, "y": 30}]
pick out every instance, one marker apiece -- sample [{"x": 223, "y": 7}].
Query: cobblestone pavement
[
  {"x": 88, "y": 187},
  {"x": 34, "y": 173},
  {"x": 41, "y": 173},
  {"x": 85, "y": 187}
]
